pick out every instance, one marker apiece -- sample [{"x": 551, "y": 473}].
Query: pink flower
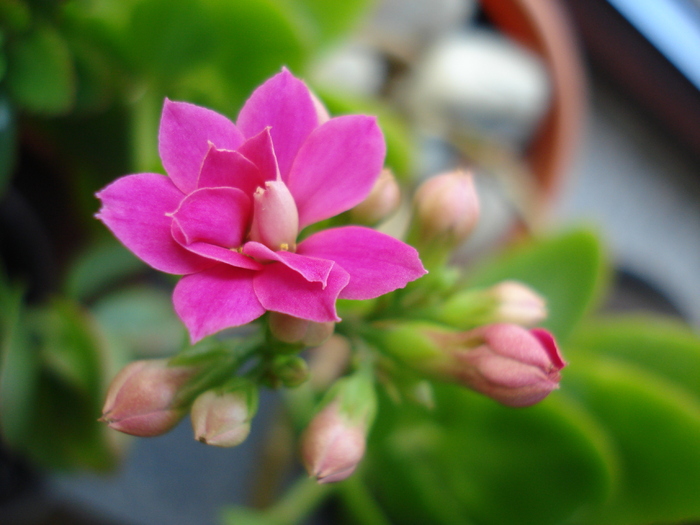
[{"x": 237, "y": 195}]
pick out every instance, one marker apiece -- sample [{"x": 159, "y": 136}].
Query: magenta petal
[
  {"x": 215, "y": 215},
  {"x": 185, "y": 133},
  {"x": 377, "y": 263},
  {"x": 281, "y": 289},
  {"x": 230, "y": 169},
  {"x": 217, "y": 298},
  {"x": 336, "y": 167},
  {"x": 260, "y": 151},
  {"x": 284, "y": 104},
  {"x": 215, "y": 253},
  {"x": 136, "y": 209},
  {"x": 310, "y": 268}
]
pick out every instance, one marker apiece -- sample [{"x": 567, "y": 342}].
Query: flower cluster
[{"x": 230, "y": 217}]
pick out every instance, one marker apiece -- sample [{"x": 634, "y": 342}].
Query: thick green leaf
[
  {"x": 40, "y": 74},
  {"x": 663, "y": 346},
  {"x": 569, "y": 270},
  {"x": 654, "y": 426},
  {"x": 474, "y": 461}
]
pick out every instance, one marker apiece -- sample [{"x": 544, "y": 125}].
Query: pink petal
[
  {"x": 377, "y": 263},
  {"x": 260, "y": 151},
  {"x": 214, "y": 215},
  {"x": 136, "y": 208},
  {"x": 217, "y": 298},
  {"x": 336, "y": 167},
  {"x": 229, "y": 169},
  {"x": 284, "y": 104},
  {"x": 310, "y": 268},
  {"x": 215, "y": 253},
  {"x": 281, "y": 289},
  {"x": 184, "y": 136}
]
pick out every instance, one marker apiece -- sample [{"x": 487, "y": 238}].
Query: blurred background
[{"x": 568, "y": 111}]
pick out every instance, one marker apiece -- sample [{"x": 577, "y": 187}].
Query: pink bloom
[{"x": 237, "y": 195}]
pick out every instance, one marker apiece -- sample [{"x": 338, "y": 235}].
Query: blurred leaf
[
  {"x": 331, "y": 19},
  {"x": 474, "y": 461},
  {"x": 99, "y": 268},
  {"x": 143, "y": 319},
  {"x": 569, "y": 271},
  {"x": 19, "y": 368},
  {"x": 15, "y": 15},
  {"x": 7, "y": 142},
  {"x": 654, "y": 426},
  {"x": 400, "y": 143},
  {"x": 40, "y": 74}
]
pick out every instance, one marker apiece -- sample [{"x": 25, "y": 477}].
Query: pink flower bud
[
  {"x": 332, "y": 446},
  {"x": 446, "y": 208},
  {"x": 516, "y": 303},
  {"x": 223, "y": 419},
  {"x": 142, "y": 399},
  {"x": 291, "y": 329},
  {"x": 382, "y": 201},
  {"x": 275, "y": 217}
]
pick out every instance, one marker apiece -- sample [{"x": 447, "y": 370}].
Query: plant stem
[
  {"x": 360, "y": 503},
  {"x": 298, "y": 502}
]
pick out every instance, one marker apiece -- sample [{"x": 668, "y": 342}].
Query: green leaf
[
  {"x": 40, "y": 74},
  {"x": 654, "y": 426},
  {"x": 568, "y": 270},
  {"x": 7, "y": 142},
  {"x": 663, "y": 346},
  {"x": 474, "y": 461}
]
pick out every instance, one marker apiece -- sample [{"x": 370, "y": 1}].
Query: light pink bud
[
  {"x": 275, "y": 217},
  {"x": 222, "y": 419},
  {"x": 447, "y": 208},
  {"x": 513, "y": 365},
  {"x": 329, "y": 361},
  {"x": 516, "y": 303},
  {"x": 382, "y": 201},
  {"x": 332, "y": 446},
  {"x": 291, "y": 329},
  {"x": 142, "y": 399}
]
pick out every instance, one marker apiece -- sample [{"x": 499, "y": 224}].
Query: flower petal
[
  {"x": 184, "y": 136},
  {"x": 284, "y": 104},
  {"x": 281, "y": 289},
  {"x": 136, "y": 208},
  {"x": 215, "y": 253},
  {"x": 218, "y": 216},
  {"x": 217, "y": 298},
  {"x": 260, "y": 151},
  {"x": 377, "y": 263},
  {"x": 223, "y": 168},
  {"x": 336, "y": 167},
  {"x": 310, "y": 268}
]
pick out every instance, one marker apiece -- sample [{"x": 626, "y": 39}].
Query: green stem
[
  {"x": 298, "y": 502},
  {"x": 360, "y": 503}
]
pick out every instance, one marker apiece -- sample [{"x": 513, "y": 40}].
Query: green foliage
[{"x": 7, "y": 142}]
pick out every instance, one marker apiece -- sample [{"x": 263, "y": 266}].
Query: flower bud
[
  {"x": 506, "y": 302},
  {"x": 275, "y": 217},
  {"x": 289, "y": 329},
  {"x": 287, "y": 370},
  {"x": 446, "y": 209},
  {"x": 143, "y": 398},
  {"x": 223, "y": 419},
  {"x": 382, "y": 201},
  {"x": 332, "y": 445},
  {"x": 334, "y": 442},
  {"x": 513, "y": 365}
]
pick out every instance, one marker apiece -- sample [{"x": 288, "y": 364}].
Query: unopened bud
[
  {"x": 506, "y": 302},
  {"x": 334, "y": 442},
  {"x": 143, "y": 398},
  {"x": 382, "y": 201},
  {"x": 223, "y": 419},
  {"x": 287, "y": 370},
  {"x": 513, "y": 365},
  {"x": 289, "y": 329},
  {"x": 275, "y": 217},
  {"x": 329, "y": 361}
]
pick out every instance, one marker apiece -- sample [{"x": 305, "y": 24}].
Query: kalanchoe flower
[
  {"x": 222, "y": 419},
  {"x": 236, "y": 196},
  {"x": 142, "y": 398},
  {"x": 513, "y": 365}
]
